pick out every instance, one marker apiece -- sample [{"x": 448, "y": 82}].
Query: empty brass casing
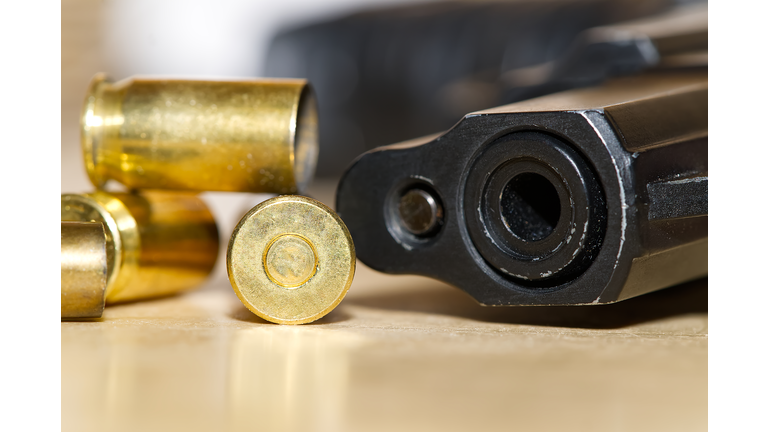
[
  {"x": 291, "y": 260},
  {"x": 83, "y": 269},
  {"x": 158, "y": 243},
  {"x": 247, "y": 136}
]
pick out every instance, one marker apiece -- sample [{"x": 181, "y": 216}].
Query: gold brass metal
[
  {"x": 238, "y": 136},
  {"x": 158, "y": 242},
  {"x": 291, "y": 260},
  {"x": 83, "y": 269}
]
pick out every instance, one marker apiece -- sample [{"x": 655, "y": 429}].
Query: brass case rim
[
  {"x": 123, "y": 240},
  {"x": 86, "y": 133},
  {"x": 277, "y": 201},
  {"x": 74, "y": 236}
]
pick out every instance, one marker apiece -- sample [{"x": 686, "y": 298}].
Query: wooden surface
[{"x": 399, "y": 353}]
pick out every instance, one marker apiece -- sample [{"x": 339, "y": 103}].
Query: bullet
[
  {"x": 291, "y": 260},
  {"x": 157, "y": 242},
  {"x": 238, "y": 136},
  {"x": 83, "y": 269}
]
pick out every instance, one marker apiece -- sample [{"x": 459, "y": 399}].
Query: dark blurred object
[
  {"x": 587, "y": 196},
  {"x": 387, "y": 75}
]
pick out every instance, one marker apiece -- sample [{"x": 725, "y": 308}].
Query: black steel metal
[{"x": 583, "y": 197}]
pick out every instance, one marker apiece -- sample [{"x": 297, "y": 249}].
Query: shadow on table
[{"x": 688, "y": 298}]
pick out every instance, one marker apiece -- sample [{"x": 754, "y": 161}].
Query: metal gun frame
[{"x": 588, "y": 196}]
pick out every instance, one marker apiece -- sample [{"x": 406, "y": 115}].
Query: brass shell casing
[
  {"x": 237, "y": 136},
  {"x": 158, "y": 243},
  {"x": 83, "y": 269},
  {"x": 291, "y": 260}
]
